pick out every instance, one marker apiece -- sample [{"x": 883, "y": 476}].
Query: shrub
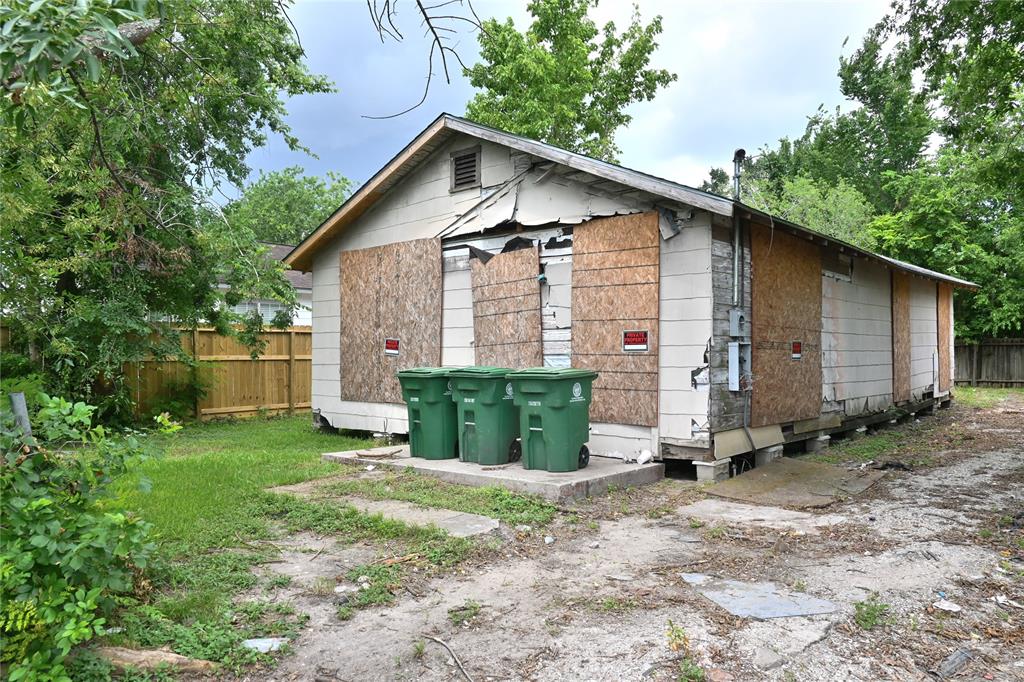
[{"x": 63, "y": 553}]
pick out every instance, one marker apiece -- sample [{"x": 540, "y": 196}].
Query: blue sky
[{"x": 749, "y": 73}]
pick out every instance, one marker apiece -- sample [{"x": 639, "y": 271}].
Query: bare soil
[{"x": 595, "y": 604}]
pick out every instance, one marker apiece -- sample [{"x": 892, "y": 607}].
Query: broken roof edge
[
  {"x": 864, "y": 253},
  {"x": 301, "y": 256}
]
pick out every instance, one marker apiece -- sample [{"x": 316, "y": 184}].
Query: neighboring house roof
[
  {"x": 299, "y": 279},
  {"x": 446, "y": 126}
]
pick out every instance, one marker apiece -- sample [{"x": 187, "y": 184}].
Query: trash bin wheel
[
  {"x": 515, "y": 451},
  {"x": 584, "y": 457}
]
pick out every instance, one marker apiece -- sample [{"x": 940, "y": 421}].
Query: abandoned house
[{"x": 717, "y": 329}]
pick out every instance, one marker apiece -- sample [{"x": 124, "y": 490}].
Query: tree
[
  {"x": 838, "y": 210},
  {"x": 564, "y": 81},
  {"x": 284, "y": 206},
  {"x": 105, "y": 167}
]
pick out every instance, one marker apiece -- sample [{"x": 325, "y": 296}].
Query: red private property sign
[
  {"x": 635, "y": 341},
  {"x": 390, "y": 346}
]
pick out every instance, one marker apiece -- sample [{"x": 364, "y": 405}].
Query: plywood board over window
[
  {"x": 506, "y": 309},
  {"x": 900, "y": 337},
  {"x": 786, "y": 310},
  {"x": 945, "y": 316},
  {"x": 615, "y": 290},
  {"x": 388, "y": 292}
]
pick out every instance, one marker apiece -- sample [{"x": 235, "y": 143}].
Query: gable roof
[{"x": 445, "y": 126}]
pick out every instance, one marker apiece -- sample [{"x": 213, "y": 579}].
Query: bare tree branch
[{"x": 383, "y": 17}]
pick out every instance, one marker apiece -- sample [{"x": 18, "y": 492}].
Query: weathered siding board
[
  {"x": 608, "y": 298},
  {"x": 727, "y": 407},
  {"x": 556, "y": 302},
  {"x": 684, "y": 330},
  {"x": 856, "y": 340},
  {"x": 924, "y": 338},
  {"x": 786, "y": 307},
  {"x": 457, "y": 314}
]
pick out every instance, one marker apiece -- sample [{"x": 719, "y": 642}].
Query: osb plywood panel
[
  {"x": 900, "y": 336},
  {"x": 390, "y": 291},
  {"x": 786, "y": 307},
  {"x": 506, "y": 310},
  {"x": 945, "y": 336},
  {"x": 360, "y": 361},
  {"x": 410, "y": 309},
  {"x": 614, "y": 289}
]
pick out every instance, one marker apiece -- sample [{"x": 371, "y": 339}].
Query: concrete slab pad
[
  {"x": 458, "y": 524},
  {"x": 602, "y": 473},
  {"x": 756, "y": 600},
  {"x": 789, "y": 482},
  {"x": 725, "y": 511}
]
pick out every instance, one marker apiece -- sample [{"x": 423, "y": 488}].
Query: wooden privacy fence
[
  {"x": 279, "y": 380},
  {"x": 991, "y": 362}
]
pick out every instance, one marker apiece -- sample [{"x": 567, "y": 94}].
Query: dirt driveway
[{"x": 599, "y": 594}]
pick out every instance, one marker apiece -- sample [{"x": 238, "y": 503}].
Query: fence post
[
  {"x": 291, "y": 371},
  {"x": 195, "y": 371},
  {"x": 976, "y": 365}
]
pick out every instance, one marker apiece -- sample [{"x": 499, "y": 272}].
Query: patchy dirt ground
[{"x": 596, "y": 603}]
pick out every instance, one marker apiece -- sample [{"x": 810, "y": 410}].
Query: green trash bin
[
  {"x": 488, "y": 421},
  {"x": 554, "y": 416},
  {"x": 433, "y": 429}
]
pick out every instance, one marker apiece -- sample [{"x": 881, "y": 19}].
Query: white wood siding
[
  {"x": 457, "y": 316},
  {"x": 419, "y": 206},
  {"x": 685, "y": 331},
  {"x": 856, "y": 340},
  {"x": 924, "y": 335}
]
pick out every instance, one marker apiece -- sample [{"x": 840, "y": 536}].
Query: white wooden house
[{"x": 475, "y": 246}]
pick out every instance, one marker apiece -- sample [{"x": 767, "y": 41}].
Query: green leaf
[
  {"x": 93, "y": 65},
  {"x": 37, "y": 48}
]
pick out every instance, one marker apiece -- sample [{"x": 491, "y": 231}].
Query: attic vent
[{"x": 465, "y": 169}]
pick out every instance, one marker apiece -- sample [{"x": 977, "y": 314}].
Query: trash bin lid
[
  {"x": 553, "y": 373},
  {"x": 481, "y": 372},
  {"x": 422, "y": 372}
]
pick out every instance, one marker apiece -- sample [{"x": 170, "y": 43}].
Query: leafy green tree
[
  {"x": 838, "y": 210},
  {"x": 108, "y": 151},
  {"x": 283, "y": 207},
  {"x": 564, "y": 81}
]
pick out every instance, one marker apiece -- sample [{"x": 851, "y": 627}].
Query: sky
[{"x": 749, "y": 72}]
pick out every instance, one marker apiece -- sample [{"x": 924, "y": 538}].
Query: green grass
[
  {"x": 497, "y": 503},
  {"x": 208, "y": 472},
  {"x": 211, "y": 513},
  {"x": 981, "y": 397},
  {"x": 460, "y": 615}
]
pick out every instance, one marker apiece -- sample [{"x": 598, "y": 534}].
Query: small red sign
[
  {"x": 390, "y": 346},
  {"x": 797, "y": 350},
  {"x": 635, "y": 340}
]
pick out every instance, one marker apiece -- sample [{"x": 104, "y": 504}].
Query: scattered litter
[
  {"x": 370, "y": 467},
  {"x": 118, "y": 630},
  {"x": 265, "y": 645},
  {"x": 756, "y": 600},
  {"x": 595, "y": 544},
  {"x": 946, "y": 605},
  {"x": 548, "y": 539},
  {"x": 1000, "y": 599},
  {"x": 953, "y": 663},
  {"x": 645, "y": 457},
  {"x": 522, "y": 528},
  {"x": 363, "y": 579}
]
